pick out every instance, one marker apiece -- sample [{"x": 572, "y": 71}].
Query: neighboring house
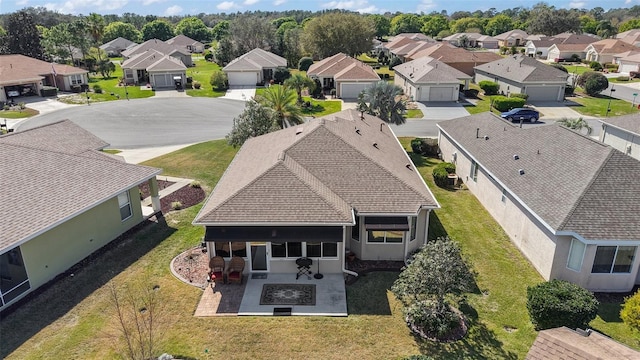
[
  {"x": 564, "y": 343},
  {"x": 116, "y": 46},
  {"x": 561, "y": 52},
  {"x": 404, "y": 39},
  {"x": 62, "y": 199},
  {"x": 161, "y": 47},
  {"x": 472, "y": 40},
  {"x": 511, "y": 38},
  {"x": 534, "y": 46},
  {"x": 622, "y": 133},
  {"x": 458, "y": 58},
  {"x": 24, "y": 76},
  {"x": 255, "y": 67},
  {"x": 406, "y": 50},
  {"x": 154, "y": 68},
  {"x": 628, "y": 61},
  {"x": 571, "y": 204},
  {"x": 415, "y": 36},
  {"x": 192, "y": 46},
  {"x": 347, "y": 75},
  {"x": 630, "y": 36},
  {"x": 604, "y": 50},
  {"x": 525, "y": 75},
  {"x": 334, "y": 184},
  {"x": 427, "y": 79}
]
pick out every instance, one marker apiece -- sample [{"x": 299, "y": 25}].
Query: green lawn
[
  {"x": 18, "y": 114},
  {"x": 414, "y": 114},
  {"x": 202, "y": 73},
  {"x": 578, "y": 69},
  {"x": 72, "y": 318},
  {"x": 110, "y": 86},
  {"x": 597, "y": 106},
  {"x": 318, "y": 107}
]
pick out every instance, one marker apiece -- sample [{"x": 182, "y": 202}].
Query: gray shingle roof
[
  {"x": 428, "y": 70},
  {"x": 118, "y": 44},
  {"x": 522, "y": 69},
  {"x": 317, "y": 173},
  {"x": 343, "y": 67},
  {"x": 53, "y": 173},
  {"x": 573, "y": 184},
  {"x": 154, "y": 44},
  {"x": 256, "y": 59},
  {"x": 629, "y": 123},
  {"x": 563, "y": 343}
]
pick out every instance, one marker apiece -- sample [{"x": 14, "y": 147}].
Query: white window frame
[
  {"x": 76, "y": 79},
  {"x": 413, "y": 231},
  {"x": 128, "y": 203},
  {"x": 473, "y": 173},
  {"x": 571, "y": 254}
]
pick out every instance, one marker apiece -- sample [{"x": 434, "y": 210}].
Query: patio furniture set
[{"x": 233, "y": 274}]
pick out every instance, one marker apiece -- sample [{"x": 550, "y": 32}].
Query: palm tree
[
  {"x": 383, "y": 100},
  {"x": 299, "y": 82},
  {"x": 576, "y": 124},
  {"x": 282, "y": 100},
  {"x": 95, "y": 25}
]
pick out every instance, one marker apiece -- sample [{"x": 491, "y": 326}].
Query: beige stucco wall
[
  {"x": 56, "y": 250},
  {"x": 620, "y": 140},
  {"x": 64, "y": 83},
  {"x": 505, "y": 87}
]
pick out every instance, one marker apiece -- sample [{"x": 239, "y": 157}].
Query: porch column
[
  {"x": 466, "y": 84},
  {"x": 426, "y": 228},
  {"x": 155, "y": 198}
]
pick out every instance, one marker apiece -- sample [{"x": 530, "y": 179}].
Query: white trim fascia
[
  {"x": 387, "y": 214},
  {"x": 619, "y": 128},
  {"x": 600, "y": 242},
  {"x": 78, "y": 212}
]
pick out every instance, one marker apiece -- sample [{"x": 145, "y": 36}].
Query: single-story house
[
  {"x": 403, "y": 39},
  {"x": 161, "y": 47},
  {"x": 403, "y": 51},
  {"x": 604, "y": 50},
  {"x": 21, "y": 75},
  {"x": 559, "y": 52},
  {"x": 62, "y": 199},
  {"x": 534, "y": 46},
  {"x": 515, "y": 37},
  {"x": 627, "y": 61},
  {"x": 192, "y": 46},
  {"x": 564, "y": 343},
  {"x": 347, "y": 75},
  {"x": 458, "y": 58},
  {"x": 360, "y": 193},
  {"x": 472, "y": 40},
  {"x": 630, "y": 36},
  {"x": 116, "y": 46},
  {"x": 622, "y": 133},
  {"x": 255, "y": 67},
  {"x": 525, "y": 75},
  {"x": 571, "y": 204},
  {"x": 428, "y": 79},
  {"x": 157, "y": 69}
]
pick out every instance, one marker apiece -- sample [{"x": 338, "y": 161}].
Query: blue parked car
[{"x": 526, "y": 114}]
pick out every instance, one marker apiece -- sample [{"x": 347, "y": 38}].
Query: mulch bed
[
  {"x": 146, "y": 191},
  {"x": 192, "y": 267},
  {"x": 186, "y": 195}
]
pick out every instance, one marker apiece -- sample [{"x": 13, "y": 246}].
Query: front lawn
[
  {"x": 577, "y": 69},
  {"x": 111, "y": 90},
  {"x": 414, "y": 114},
  {"x": 318, "y": 108},
  {"x": 597, "y": 106},
  {"x": 202, "y": 73},
  {"x": 18, "y": 114}
]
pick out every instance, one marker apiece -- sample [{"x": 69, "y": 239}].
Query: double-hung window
[
  {"x": 474, "y": 171},
  {"x": 125, "y": 205}
]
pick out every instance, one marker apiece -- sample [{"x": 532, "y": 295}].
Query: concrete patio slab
[{"x": 240, "y": 93}]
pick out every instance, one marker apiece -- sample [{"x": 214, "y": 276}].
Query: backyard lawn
[
  {"x": 73, "y": 318},
  {"x": 202, "y": 73}
]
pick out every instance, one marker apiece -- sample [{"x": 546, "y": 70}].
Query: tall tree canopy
[
  {"x": 629, "y": 24},
  {"x": 157, "y": 29},
  {"x": 382, "y": 25},
  {"x": 498, "y": 25},
  {"x": 23, "y": 36},
  {"x": 250, "y": 31},
  {"x": 331, "y": 33},
  {"x": 220, "y": 30},
  {"x": 547, "y": 20},
  {"x": 435, "y": 24},
  {"x": 120, "y": 29},
  {"x": 406, "y": 23},
  {"x": 194, "y": 28},
  {"x": 466, "y": 24},
  {"x": 254, "y": 121}
]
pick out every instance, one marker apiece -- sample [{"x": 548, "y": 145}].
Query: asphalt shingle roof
[
  {"x": 523, "y": 68},
  {"x": 53, "y": 173},
  {"x": 429, "y": 70},
  {"x": 255, "y": 60},
  {"x": 630, "y": 123},
  {"x": 343, "y": 67},
  {"x": 565, "y": 344},
  {"x": 154, "y": 44},
  {"x": 17, "y": 68},
  {"x": 572, "y": 182},
  {"x": 316, "y": 173}
]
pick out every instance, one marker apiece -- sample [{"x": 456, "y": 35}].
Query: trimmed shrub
[
  {"x": 575, "y": 58},
  {"x": 280, "y": 74},
  {"x": 304, "y": 63},
  {"x": 519, "y": 95},
  {"x": 195, "y": 184},
  {"x": 394, "y": 62},
  {"x": 208, "y": 55},
  {"x": 437, "y": 319},
  {"x": 197, "y": 85},
  {"x": 593, "y": 82},
  {"x": 441, "y": 173},
  {"x": 176, "y": 205},
  {"x": 471, "y": 93},
  {"x": 611, "y": 66},
  {"x": 97, "y": 89},
  {"x": 596, "y": 66},
  {"x": 622, "y": 78},
  {"x": 559, "y": 303},
  {"x": 219, "y": 80},
  {"x": 503, "y": 103},
  {"x": 425, "y": 146},
  {"x": 630, "y": 313},
  {"x": 489, "y": 87}
]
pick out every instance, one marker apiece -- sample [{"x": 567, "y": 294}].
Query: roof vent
[
  {"x": 486, "y": 137},
  {"x": 477, "y": 133},
  {"x": 584, "y": 333},
  {"x": 358, "y": 131},
  {"x": 299, "y": 130},
  {"x": 381, "y": 125},
  {"x": 375, "y": 145},
  {"x": 409, "y": 167},
  {"x": 281, "y": 156},
  {"x": 516, "y": 157},
  {"x": 521, "y": 171}
]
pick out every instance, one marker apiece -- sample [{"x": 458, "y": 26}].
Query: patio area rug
[{"x": 288, "y": 294}]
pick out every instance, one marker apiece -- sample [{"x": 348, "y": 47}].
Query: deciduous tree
[
  {"x": 498, "y": 25},
  {"x": 255, "y": 120},
  {"x": 549, "y": 21},
  {"x": 120, "y": 29},
  {"x": 630, "y": 313},
  {"x": 157, "y": 29},
  {"x": 194, "y": 28},
  {"x": 406, "y": 23},
  {"x": 332, "y": 33},
  {"x": 23, "y": 36},
  {"x": 382, "y": 25},
  {"x": 434, "y": 25},
  {"x": 249, "y": 32}
]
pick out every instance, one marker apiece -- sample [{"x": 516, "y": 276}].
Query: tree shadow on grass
[
  {"x": 55, "y": 299},
  {"x": 368, "y": 296},
  {"x": 436, "y": 229},
  {"x": 610, "y": 312}
]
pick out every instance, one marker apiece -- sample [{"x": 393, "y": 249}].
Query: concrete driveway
[
  {"x": 557, "y": 110},
  {"x": 240, "y": 93}
]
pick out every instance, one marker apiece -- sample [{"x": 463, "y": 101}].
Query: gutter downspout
[{"x": 344, "y": 241}]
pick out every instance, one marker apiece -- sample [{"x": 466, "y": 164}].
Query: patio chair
[
  {"x": 216, "y": 270},
  {"x": 236, "y": 267}
]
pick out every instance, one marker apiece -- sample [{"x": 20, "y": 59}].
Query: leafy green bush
[
  {"x": 425, "y": 146},
  {"x": 176, "y": 205},
  {"x": 304, "y": 63},
  {"x": 441, "y": 173},
  {"x": 559, "y": 303},
  {"x": 208, "y": 55},
  {"x": 281, "y": 74},
  {"x": 219, "y": 80},
  {"x": 195, "y": 184},
  {"x": 489, "y": 87},
  {"x": 97, "y": 89},
  {"x": 622, "y": 78},
  {"x": 437, "y": 319},
  {"x": 575, "y": 58},
  {"x": 519, "y": 95},
  {"x": 394, "y": 62},
  {"x": 630, "y": 313},
  {"x": 596, "y": 66},
  {"x": 611, "y": 66},
  {"x": 569, "y": 90},
  {"x": 595, "y": 83},
  {"x": 503, "y": 103}
]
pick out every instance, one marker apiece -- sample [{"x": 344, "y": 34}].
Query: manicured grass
[
  {"x": 483, "y": 102},
  {"x": 202, "y": 73},
  {"x": 615, "y": 80},
  {"x": 383, "y": 71},
  {"x": 414, "y": 114},
  {"x": 112, "y": 151},
  {"x": 321, "y": 107},
  {"x": 110, "y": 86},
  {"x": 366, "y": 58},
  {"x": 18, "y": 114},
  {"x": 578, "y": 69},
  {"x": 597, "y": 106}
]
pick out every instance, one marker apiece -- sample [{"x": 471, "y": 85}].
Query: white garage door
[
  {"x": 242, "y": 78},
  {"x": 628, "y": 67},
  {"x": 441, "y": 94},
  {"x": 543, "y": 93},
  {"x": 351, "y": 91}
]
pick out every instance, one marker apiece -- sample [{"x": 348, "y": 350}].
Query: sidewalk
[{"x": 136, "y": 156}]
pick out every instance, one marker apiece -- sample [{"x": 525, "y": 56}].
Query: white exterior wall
[
  {"x": 627, "y": 67},
  {"x": 621, "y": 140}
]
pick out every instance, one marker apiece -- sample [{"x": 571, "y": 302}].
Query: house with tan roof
[
  {"x": 428, "y": 79},
  {"x": 622, "y": 133},
  {"x": 255, "y": 67},
  {"x": 116, "y": 46},
  {"x": 540, "y": 48},
  {"x": 402, "y": 52},
  {"x": 404, "y": 39},
  {"x": 21, "y": 75},
  {"x": 359, "y": 193},
  {"x": 161, "y": 47},
  {"x": 604, "y": 50},
  {"x": 563, "y": 343},
  {"x": 571, "y": 204},
  {"x": 562, "y": 52},
  {"x": 458, "y": 58},
  {"x": 157, "y": 69},
  {"x": 347, "y": 75},
  {"x": 472, "y": 40},
  {"x": 525, "y": 75},
  {"x": 515, "y": 37},
  {"x": 192, "y": 46},
  {"x": 630, "y": 36},
  {"x": 62, "y": 200},
  {"x": 628, "y": 61}
]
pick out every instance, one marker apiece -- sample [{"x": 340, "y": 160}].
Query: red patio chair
[
  {"x": 216, "y": 270},
  {"x": 236, "y": 267}
]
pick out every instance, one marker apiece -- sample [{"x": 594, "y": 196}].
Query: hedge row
[{"x": 503, "y": 103}]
